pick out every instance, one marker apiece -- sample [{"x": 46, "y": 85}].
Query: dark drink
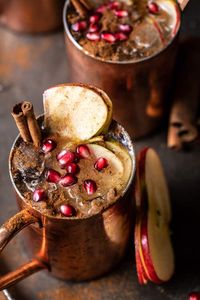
[
  {"x": 126, "y": 30},
  {"x": 68, "y": 176},
  {"x": 132, "y": 58}
]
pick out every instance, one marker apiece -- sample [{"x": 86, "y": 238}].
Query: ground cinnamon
[
  {"x": 21, "y": 122},
  {"x": 33, "y": 126}
]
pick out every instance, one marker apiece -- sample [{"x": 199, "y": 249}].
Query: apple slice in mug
[
  {"x": 121, "y": 152},
  {"x": 156, "y": 248},
  {"x": 76, "y": 111},
  {"x": 107, "y": 176}
]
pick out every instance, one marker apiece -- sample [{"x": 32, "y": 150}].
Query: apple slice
[
  {"x": 154, "y": 215},
  {"x": 140, "y": 185},
  {"x": 173, "y": 11},
  {"x": 122, "y": 153},
  {"x": 148, "y": 271},
  {"x": 157, "y": 248},
  {"x": 151, "y": 187},
  {"x": 110, "y": 177},
  {"x": 76, "y": 111},
  {"x": 156, "y": 185},
  {"x": 142, "y": 273}
]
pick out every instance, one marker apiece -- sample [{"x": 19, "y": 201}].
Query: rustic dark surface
[{"x": 28, "y": 66}]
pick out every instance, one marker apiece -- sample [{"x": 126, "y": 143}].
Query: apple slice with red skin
[
  {"x": 148, "y": 274},
  {"x": 140, "y": 187},
  {"x": 141, "y": 273},
  {"x": 156, "y": 253},
  {"x": 151, "y": 184}
]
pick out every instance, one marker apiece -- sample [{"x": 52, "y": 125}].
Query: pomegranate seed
[
  {"x": 153, "y": 8},
  {"x": 113, "y": 5},
  {"x": 120, "y": 36},
  {"x": 83, "y": 151},
  {"x": 79, "y": 26},
  {"x": 72, "y": 168},
  {"x": 93, "y": 28},
  {"x": 67, "y": 210},
  {"x": 95, "y": 18},
  {"x": 194, "y": 296},
  {"x": 108, "y": 37},
  {"x": 68, "y": 180},
  {"x": 101, "y": 164},
  {"x": 65, "y": 157},
  {"x": 48, "y": 145},
  {"x": 125, "y": 28},
  {"x": 52, "y": 176},
  {"x": 39, "y": 195},
  {"x": 101, "y": 8},
  {"x": 121, "y": 13},
  {"x": 90, "y": 186},
  {"x": 93, "y": 36}
]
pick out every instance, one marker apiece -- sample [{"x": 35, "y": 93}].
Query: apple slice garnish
[
  {"x": 173, "y": 10},
  {"x": 122, "y": 153},
  {"x": 76, "y": 111},
  {"x": 154, "y": 215},
  {"x": 110, "y": 177}
]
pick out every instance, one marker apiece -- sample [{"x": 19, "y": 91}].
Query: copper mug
[
  {"x": 72, "y": 248},
  {"x": 138, "y": 89},
  {"x": 31, "y": 16}
]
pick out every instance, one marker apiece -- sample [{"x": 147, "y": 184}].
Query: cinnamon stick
[
  {"x": 80, "y": 8},
  {"x": 86, "y": 4},
  {"x": 33, "y": 126},
  {"x": 183, "y": 117},
  {"x": 21, "y": 122}
]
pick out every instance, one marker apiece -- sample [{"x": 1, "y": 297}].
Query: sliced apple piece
[
  {"x": 157, "y": 249},
  {"x": 152, "y": 227},
  {"x": 151, "y": 184},
  {"x": 140, "y": 185},
  {"x": 173, "y": 11},
  {"x": 110, "y": 177},
  {"x": 156, "y": 185},
  {"x": 122, "y": 153},
  {"x": 76, "y": 111},
  {"x": 142, "y": 273}
]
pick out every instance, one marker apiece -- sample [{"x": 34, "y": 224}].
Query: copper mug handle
[{"x": 7, "y": 231}]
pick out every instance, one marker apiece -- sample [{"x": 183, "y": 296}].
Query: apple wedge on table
[{"x": 153, "y": 248}]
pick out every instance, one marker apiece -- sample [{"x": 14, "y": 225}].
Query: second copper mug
[
  {"x": 72, "y": 248},
  {"x": 31, "y": 16},
  {"x": 138, "y": 89}
]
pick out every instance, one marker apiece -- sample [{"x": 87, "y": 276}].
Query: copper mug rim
[
  {"x": 130, "y": 149},
  {"x": 124, "y": 62}
]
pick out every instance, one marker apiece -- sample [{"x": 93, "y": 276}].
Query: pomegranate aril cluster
[
  {"x": 67, "y": 160},
  {"x": 91, "y": 28}
]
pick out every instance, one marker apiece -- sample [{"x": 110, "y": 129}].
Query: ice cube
[{"x": 147, "y": 35}]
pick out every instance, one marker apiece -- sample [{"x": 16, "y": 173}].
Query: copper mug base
[
  {"x": 71, "y": 248},
  {"x": 31, "y": 16},
  {"x": 138, "y": 89}
]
